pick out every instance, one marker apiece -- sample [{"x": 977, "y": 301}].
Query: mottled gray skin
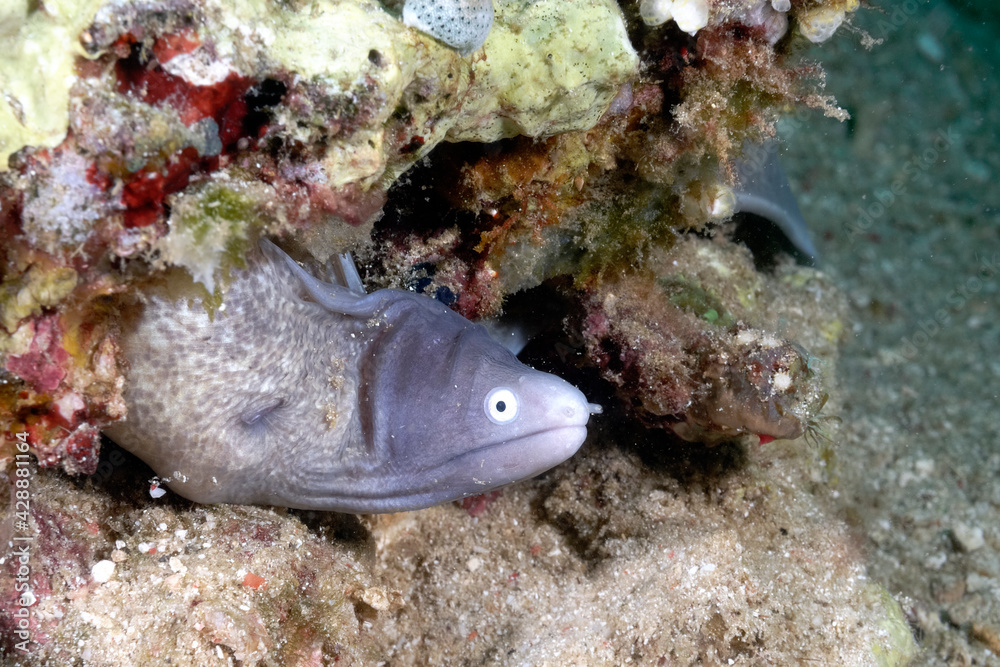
[{"x": 313, "y": 395}]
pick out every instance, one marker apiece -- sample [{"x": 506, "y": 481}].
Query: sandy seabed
[{"x": 905, "y": 207}]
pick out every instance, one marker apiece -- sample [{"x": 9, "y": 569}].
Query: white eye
[{"x": 501, "y": 405}]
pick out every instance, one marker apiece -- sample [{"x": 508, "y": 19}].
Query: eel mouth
[
  {"x": 470, "y": 473},
  {"x": 519, "y": 458}
]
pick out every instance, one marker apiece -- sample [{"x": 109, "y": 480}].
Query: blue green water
[{"x": 905, "y": 204}]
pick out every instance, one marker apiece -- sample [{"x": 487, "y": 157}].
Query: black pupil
[{"x": 501, "y": 406}]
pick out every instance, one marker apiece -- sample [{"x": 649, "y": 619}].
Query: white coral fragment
[
  {"x": 462, "y": 24},
  {"x": 656, "y": 12},
  {"x": 819, "y": 23},
  {"x": 764, "y": 15},
  {"x": 102, "y": 571},
  {"x": 690, "y": 15}
]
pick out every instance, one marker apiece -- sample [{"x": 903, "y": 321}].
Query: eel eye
[{"x": 501, "y": 405}]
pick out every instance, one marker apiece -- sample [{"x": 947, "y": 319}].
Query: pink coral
[{"x": 44, "y": 365}]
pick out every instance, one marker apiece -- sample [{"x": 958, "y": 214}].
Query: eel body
[
  {"x": 764, "y": 192},
  {"x": 315, "y": 395}
]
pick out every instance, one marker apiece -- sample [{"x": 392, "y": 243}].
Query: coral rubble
[
  {"x": 704, "y": 375},
  {"x": 121, "y": 581}
]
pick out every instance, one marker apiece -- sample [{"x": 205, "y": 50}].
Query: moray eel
[{"x": 315, "y": 395}]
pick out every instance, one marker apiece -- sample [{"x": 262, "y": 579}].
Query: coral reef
[
  {"x": 188, "y": 133},
  {"x": 583, "y": 157}
]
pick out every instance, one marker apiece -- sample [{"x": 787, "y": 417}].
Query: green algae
[
  {"x": 622, "y": 229},
  {"x": 691, "y": 296},
  {"x": 211, "y": 229}
]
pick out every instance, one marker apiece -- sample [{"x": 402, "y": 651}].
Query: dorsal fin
[
  {"x": 347, "y": 299},
  {"x": 348, "y": 272}
]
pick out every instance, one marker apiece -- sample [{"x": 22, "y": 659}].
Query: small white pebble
[
  {"x": 157, "y": 492},
  {"x": 173, "y": 582},
  {"x": 102, "y": 571},
  {"x": 781, "y": 5},
  {"x": 473, "y": 564},
  {"x": 781, "y": 381},
  {"x": 924, "y": 467},
  {"x": 968, "y": 538},
  {"x": 176, "y": 565}
]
